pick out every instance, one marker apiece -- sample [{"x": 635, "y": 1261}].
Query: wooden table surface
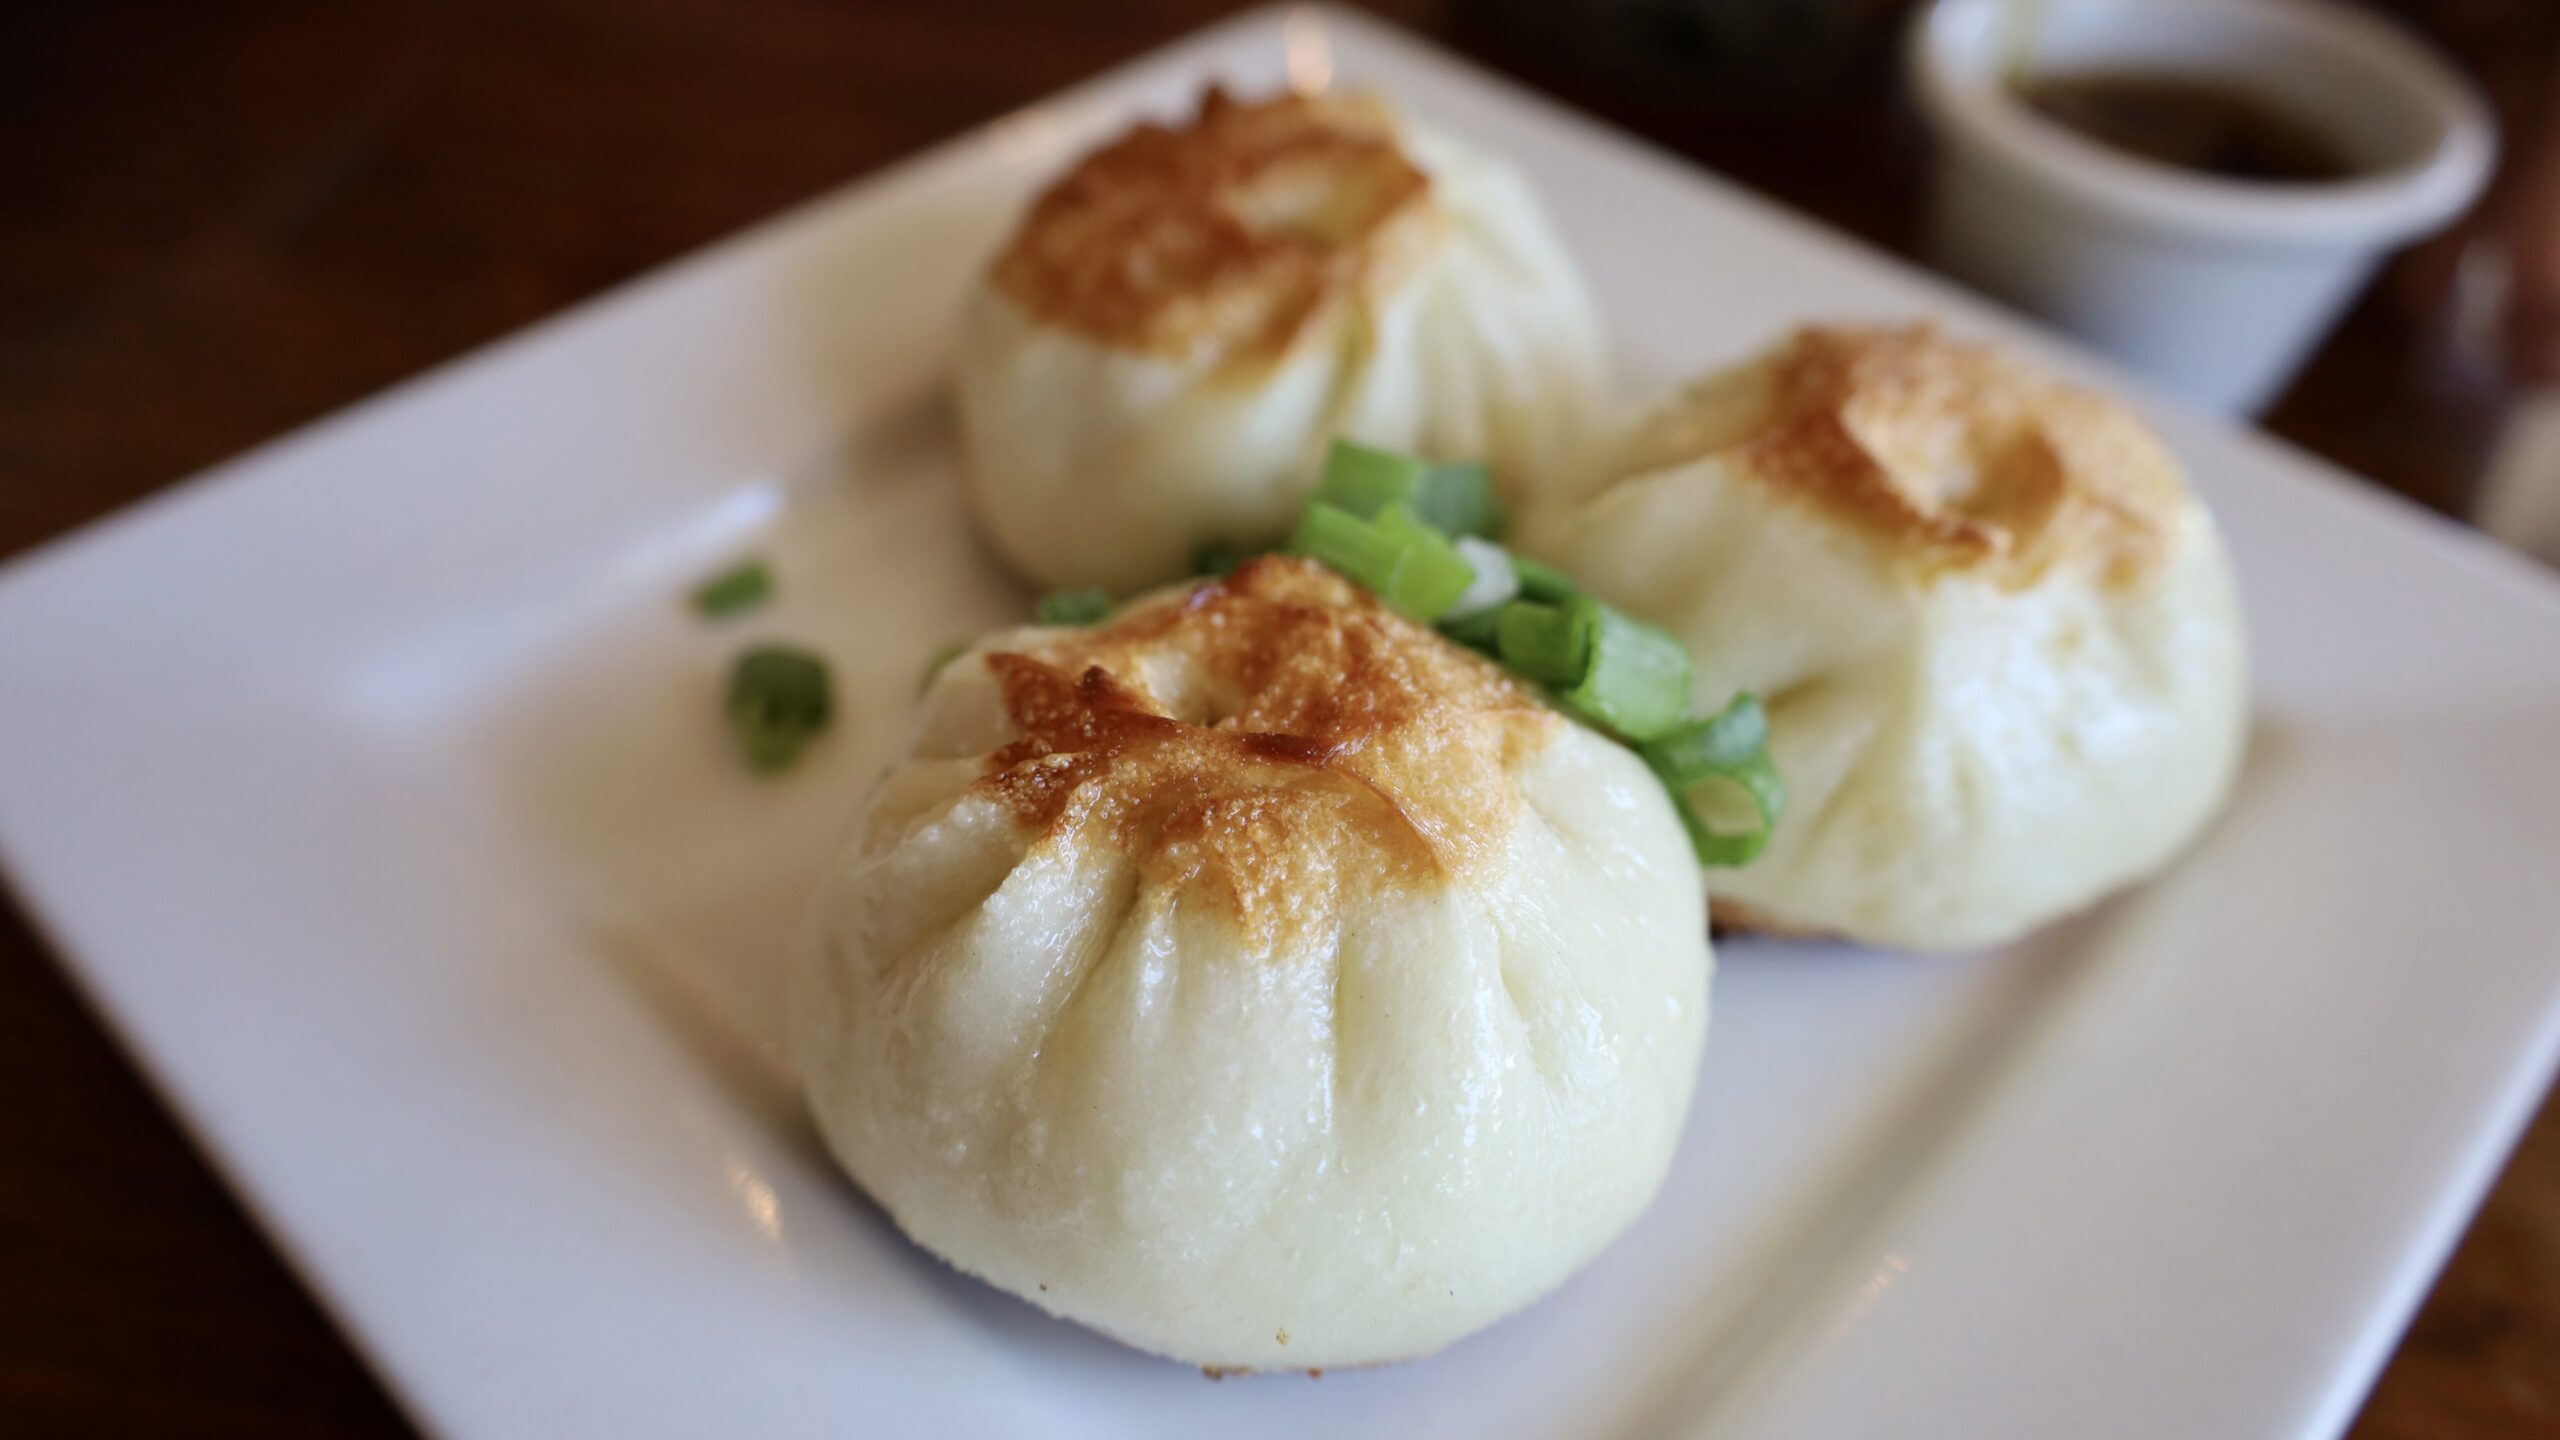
[{"x": 220, "y": 222}]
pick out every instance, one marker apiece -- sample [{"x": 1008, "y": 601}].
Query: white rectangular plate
[{"x": 374, "y": 788}]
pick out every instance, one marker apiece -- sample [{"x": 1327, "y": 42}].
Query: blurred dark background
[{"x": 220, "y": 221}]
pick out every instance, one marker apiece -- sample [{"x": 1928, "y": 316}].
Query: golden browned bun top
[
  {"x": 1264, "y": 740},
  {"x": 1226, "y": 235},
  {"x": 1957, "y": 457}
]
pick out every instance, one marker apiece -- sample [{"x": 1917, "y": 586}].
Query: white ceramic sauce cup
[{"x": 2215, "y": 289}]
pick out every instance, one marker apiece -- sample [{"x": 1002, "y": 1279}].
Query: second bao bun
[{"x": 1160, "y": 355}]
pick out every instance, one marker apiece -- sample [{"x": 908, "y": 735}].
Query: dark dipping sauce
[{"x": 2210, "y": 127}]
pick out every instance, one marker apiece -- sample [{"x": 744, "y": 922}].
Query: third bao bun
[{"x": 1996, "y": 633}]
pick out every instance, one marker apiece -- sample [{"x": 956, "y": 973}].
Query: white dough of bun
[
  {"x": 1997, "y": 636},
  {"x": 1182, "y": 324},
  {"x": 1256, "y": 978}
]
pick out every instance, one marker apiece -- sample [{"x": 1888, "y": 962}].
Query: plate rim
[{"x": 176, "y": 507}]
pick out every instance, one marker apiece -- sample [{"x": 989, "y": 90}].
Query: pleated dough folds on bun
[
  {"x": 1258, "y": 978},
  {"x": 1996, "y": 634},
  {"x": 1157, "y": 359}
]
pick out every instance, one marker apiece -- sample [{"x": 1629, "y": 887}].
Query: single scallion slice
[
  {"x": 1348, "y": 543},
  {"x": 780, "y": 698},
  {"x": 1730, "y": 816},
  {"x": 734, "y": 591},
  {"x": 1637, "y": 684},
  {"x": 1458, "y": 499},
  {"x": 1365, "y": 480},
  {"x": 1550, "y": 644},
  {"x": 1541, "y": 582},
  {"x": 1075, "y": 607},
  {"x": 1722, "y": 781}
]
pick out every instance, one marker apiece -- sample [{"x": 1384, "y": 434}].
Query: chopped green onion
[
  {"x": 1638, "y": 681},
  {"x": 1219, "y": 559},
  {"x": 1540, "y": 582},
  {"x": 1075, "y": 607},
  {"x": 1722, "y": 781},
  {"x": 1433, "y": 574},
  {"x": 1365, "y": 480},
  {"x": 1418, "y": 536},
  {"x": 1455, "y": 499},
  {"x": 940, "y": 662},
  {"x": 1494, "y": 584},
  {"x": 734, "y": 591},
  {"x": 1407, "y": 564},
  {"x": 1713, "y": 746},
  {"x": 1731, "y": 816},
  {"x": 1348, "y": 543},
  {"x": 1458, "y": 498},
  {"x": 1550, "y": 644},
  {"x": 780, "y": 698}
]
